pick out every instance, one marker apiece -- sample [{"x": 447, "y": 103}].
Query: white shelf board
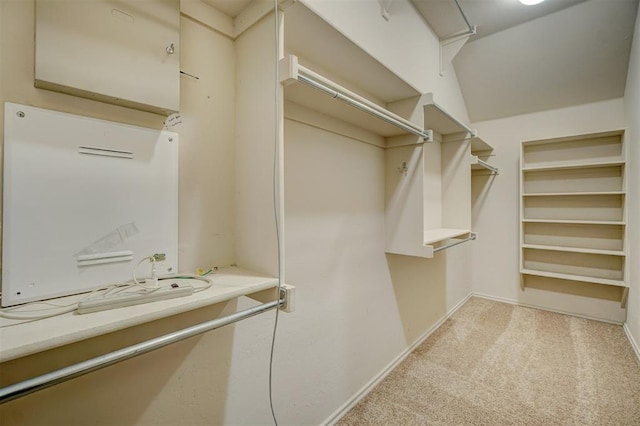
[
  {"x": 440, "y": 121},
  {"x": 21, "y": 339},
  {"x": 479, "y": 145},
  {"x": 570, "y": 165},
  {"x": 574, "y": 249},
  {"x": 569, "y": 277},
  {"x": 577, "y": 222},
  {"x": 573, "y": 138},
  {"x": 433, "y": 236},
  {"x": 556, "y": 194}
]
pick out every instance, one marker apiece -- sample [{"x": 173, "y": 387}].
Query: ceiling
[
  {"x": 527, "y": 59},
  {"x": 230, "y": 8}
]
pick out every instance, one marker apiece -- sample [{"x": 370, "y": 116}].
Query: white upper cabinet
[{"x": 121, "y": 52}]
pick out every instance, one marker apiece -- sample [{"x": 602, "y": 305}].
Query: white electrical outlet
[{"x": 289, "y": 293}]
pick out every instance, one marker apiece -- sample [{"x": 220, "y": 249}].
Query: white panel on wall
[
  {"x": 124, "y": 52},
  {"x": 84, "y": 201}
]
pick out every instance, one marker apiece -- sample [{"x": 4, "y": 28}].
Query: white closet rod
[
  {"x": 298, "y": 72},
  {"x": 472, "y": 237},
  {"x": 492, "y": 169},
  {"x": 17, "y": 390}
]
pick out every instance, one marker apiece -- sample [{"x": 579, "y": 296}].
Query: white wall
[
  {"x": 496, "y": 253},
  {"x": 632, "y": 119}
]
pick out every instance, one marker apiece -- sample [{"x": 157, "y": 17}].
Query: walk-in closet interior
[{"x": 251, "y": 212}]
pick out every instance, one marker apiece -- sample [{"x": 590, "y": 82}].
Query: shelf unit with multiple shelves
[
  {"x": 427, "y": 149},
  {"x": 429, "y": 200},
  {"x": 573, "y": 210}
]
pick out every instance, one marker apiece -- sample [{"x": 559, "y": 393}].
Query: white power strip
[{"x": 121, "y": 300}]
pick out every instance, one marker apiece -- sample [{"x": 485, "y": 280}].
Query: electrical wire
[
  {"x": 153, "y": 267},
  {"x": 275, "y": 181}
]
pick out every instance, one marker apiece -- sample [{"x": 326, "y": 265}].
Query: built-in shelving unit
[
  {"x": 331, "y": 83},
  {"x": 573, "y": 210},
  {"x": 429, "y": 200}
]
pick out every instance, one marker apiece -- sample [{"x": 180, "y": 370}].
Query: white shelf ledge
[
  {"x": 564, "y": 194},
  {"x": 570, "y": 165},
  {"x": 574, "y": 249},
  {"x": 478, "y": 145},
  {"x": 570, "y": 277},
  {"x": 577, "y": 222},
  {"x": 21, "y": 339},
  {"x": 434, "y": 236},
  {"x": 440, "y": 121},
  {"x": 436, "y": 240}
]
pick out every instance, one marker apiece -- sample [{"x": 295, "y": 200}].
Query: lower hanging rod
[
  {"x": 471, "y": 237},
  {"x": 20, "y": 389}
]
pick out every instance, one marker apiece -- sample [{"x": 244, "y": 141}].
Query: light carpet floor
[{"x": 498, "y": 364}]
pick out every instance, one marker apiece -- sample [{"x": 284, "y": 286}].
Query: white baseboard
[
  {"x": 542, "y": 308},
  {"x": 634, "y": 344},
  {"x": 357, "y": 397}
]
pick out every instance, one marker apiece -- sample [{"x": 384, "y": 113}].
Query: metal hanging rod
[
  {"x": 484, "y": 164},
  {"x": 17, "y": 390},
  {"x": 294, "y": 71},
  {"x": 471, "y": 237},
  {"x": 472, "y": 28}
]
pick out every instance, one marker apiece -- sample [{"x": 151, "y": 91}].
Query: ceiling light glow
[{"x": 530, "y": 2}]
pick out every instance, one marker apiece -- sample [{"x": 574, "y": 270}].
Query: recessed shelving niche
[{"x": 573, "y": 211}]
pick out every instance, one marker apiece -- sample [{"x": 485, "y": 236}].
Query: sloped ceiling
[
  {"x": 526, "y": 59},
  {"x": 522, "y": 62}
]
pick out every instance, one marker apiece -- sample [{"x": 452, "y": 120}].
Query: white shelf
[
  {"x": 478, "y": 145},
  {"x": 434, "y": 236},
  {"x": 571, "y": 165},
  {"x": 574, "y": 249},
  {"x": 582, "y": 278},
  {"x": 22, "y": 339},
  {"x": 577, "y": 222},
  {"x": 564, "y": 194},
  {"x": 440, "y": 121}
]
